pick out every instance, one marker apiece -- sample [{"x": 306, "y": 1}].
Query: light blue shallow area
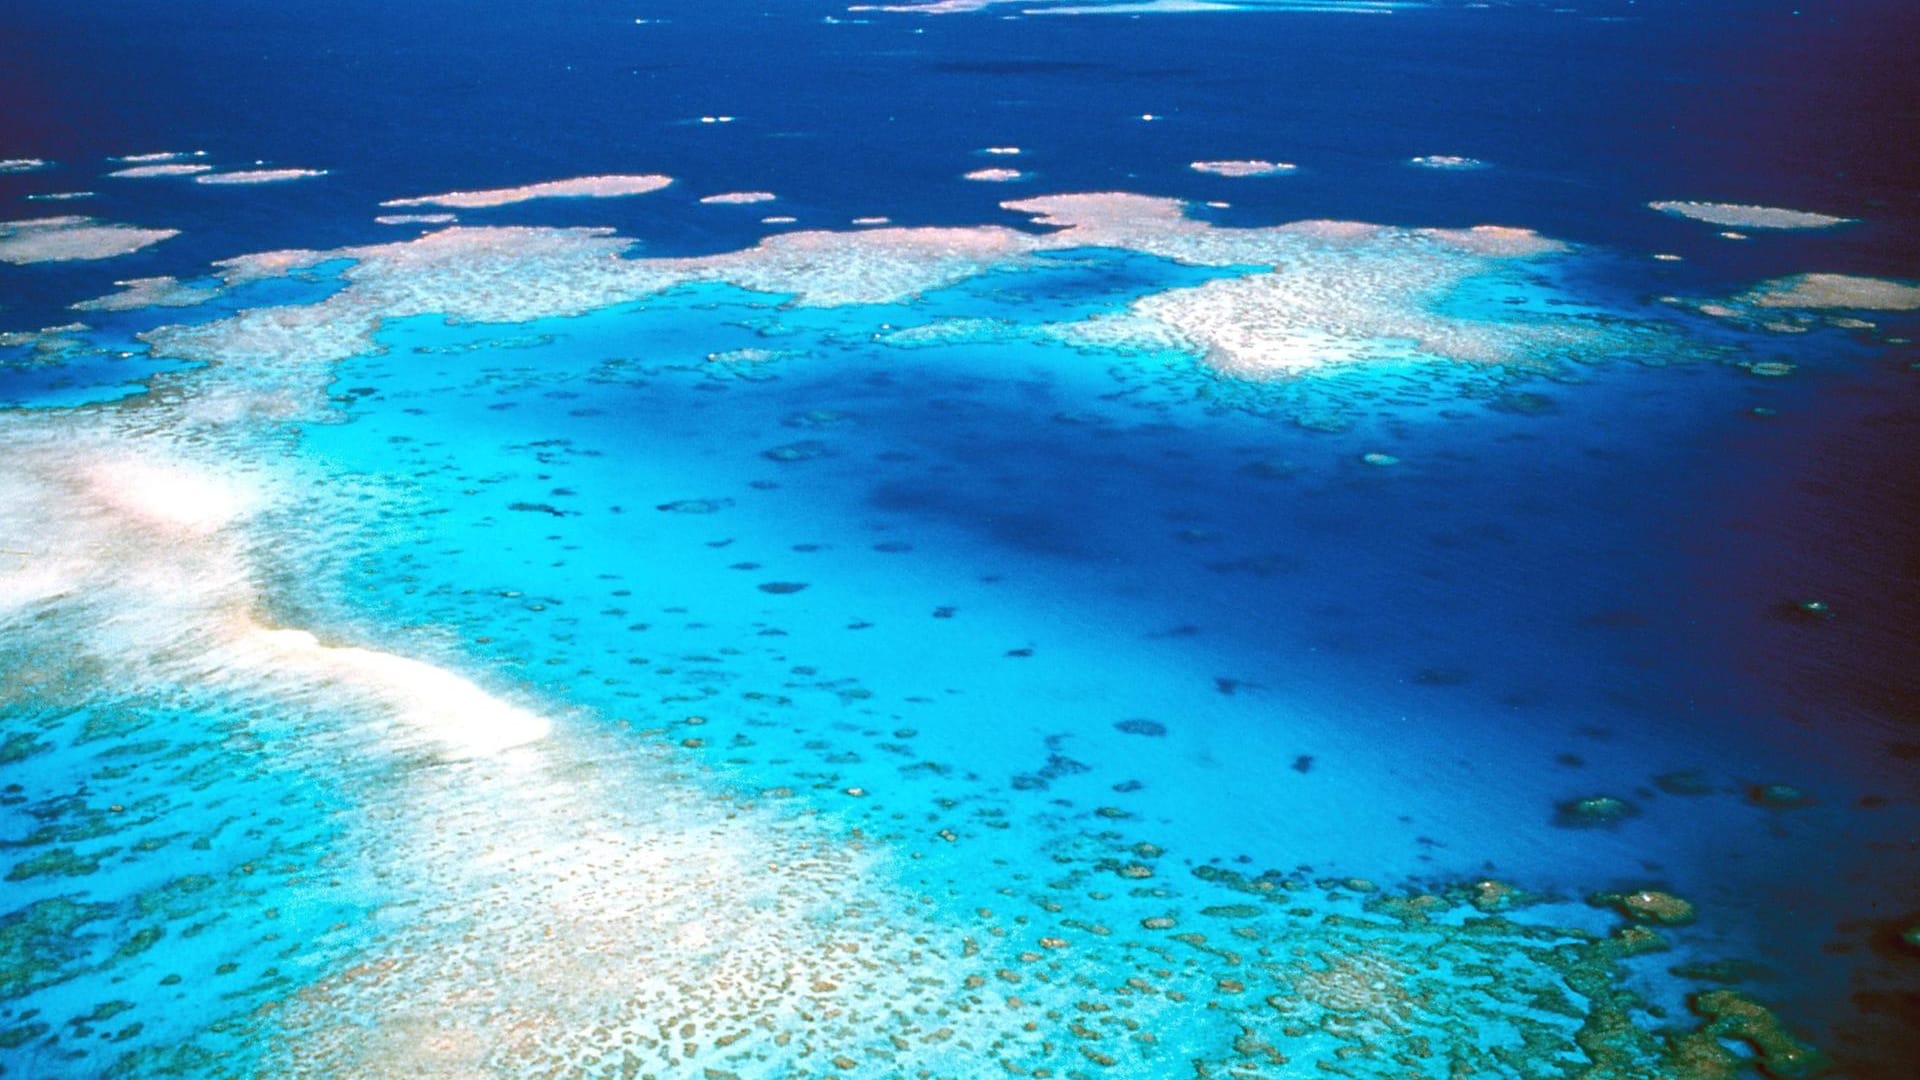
[
  {"x": 951, "y": 509},
  {"x": 1008, "y": 549},
  {"x": 169, "y": 869},
  {"x": 996, "y": 600},
  {"x": 1072, "y": 653}
]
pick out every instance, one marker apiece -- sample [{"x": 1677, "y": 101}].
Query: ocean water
[{"x": 1118, "y": 619}]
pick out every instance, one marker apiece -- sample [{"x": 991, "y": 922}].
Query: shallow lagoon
[{"x": 923, "y": 677}]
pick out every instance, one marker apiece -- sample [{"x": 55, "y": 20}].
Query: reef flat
[
  {"x": 1206, "y": 539},
  {"x": 63, "y": 239},
  {"x": 588, "y": 899}
]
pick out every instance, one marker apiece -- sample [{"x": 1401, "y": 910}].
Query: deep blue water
[
  {"x": 1588, "y": 114},
  {"x": 1574, "y": 582}
]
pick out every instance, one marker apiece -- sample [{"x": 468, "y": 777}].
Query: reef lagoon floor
[{"x": 965, "y": 539}]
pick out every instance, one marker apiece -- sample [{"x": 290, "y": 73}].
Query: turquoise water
[{"x": 1181, "y": 647}]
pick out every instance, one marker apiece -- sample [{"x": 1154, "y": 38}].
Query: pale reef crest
[
  {"x": 49, "y": 343},
  {"x": 1319, "y": 310},
  {"x": 1737, "y": 215},
  {"x": 589, "y": 187},
  {"x": 935, "y": 7},
  {"x": 415, "y": 219},
  {"x": 1141, "y": 7},
  {"x": 1802, "y": 302},
  {"x": 258, "y": 176},
  {"x": 126, "y": 531},
  {"x": 1823, "y": 291},
  {"x": 72, "y": 238},
  {"x": 588, "y": 902},
  {"x": 516, "y": 274},
  {"x": 588, "y": 899},
  {"x": 1240, "y": 168},
  {"x": 1160, "y": 226},
  {"x": 153, "y": 172},
  {"x": 1311, "y": 292},
  {"x": 1323, "y": 292},
  {"x": 158, "y": 156},
  {"x": 150, "y": 292},
  {"x": 739, "y": 198},
  {"x": 878, "y": 265}
]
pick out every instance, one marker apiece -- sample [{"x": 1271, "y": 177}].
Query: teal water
[
  {"x": 909, "y": 654},
  {"x": 1014, "y": 610}
]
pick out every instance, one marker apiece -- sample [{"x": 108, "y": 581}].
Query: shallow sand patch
[{"x": 588, "y": 187}]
